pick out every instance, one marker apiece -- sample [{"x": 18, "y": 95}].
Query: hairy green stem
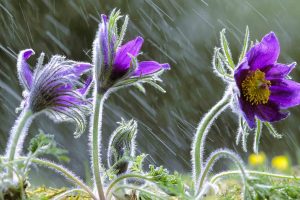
[
  {"x": 212, "y": 159},
  {"x": 152, "y": 195},
  {"x": 68, "y": 192},
  {"x": 122, "y": 177},
  {"x": 202, "y": 130},
  {"x": 96, "y": 134},
  {"x": 59, "y": 168},
  {"x": 257, "y": 136},
  {"x": 17, "y": 134},
  {"x": 251, "y": 172},
  {"x": 68, "y": 174}
]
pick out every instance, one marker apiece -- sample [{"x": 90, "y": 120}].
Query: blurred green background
[{"x": 183, "y": 33}]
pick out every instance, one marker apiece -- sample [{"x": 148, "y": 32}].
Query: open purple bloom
[
  {"x": 113, "y": 62},
  {"x": 264, "y": 89},
  {"x": 123, "y": 59},
  {"x": 55, "y": 88}
]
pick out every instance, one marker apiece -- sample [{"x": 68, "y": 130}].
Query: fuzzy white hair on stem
[{"x": 213, "y": 158}]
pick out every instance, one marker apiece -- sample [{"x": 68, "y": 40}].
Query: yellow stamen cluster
[{"x": 255, "y": 88}]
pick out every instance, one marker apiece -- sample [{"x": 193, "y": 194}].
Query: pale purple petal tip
[
  {"x": 104, "y": 18},
  {"x": 24, "y": 71},
  {"x": 166, "y": 66},
  {"x": 149, "y": 67},
  {"x": 27, "y": 53},
  {"x": 81, "y": 68},
  {"x": 103, "y": 38}
]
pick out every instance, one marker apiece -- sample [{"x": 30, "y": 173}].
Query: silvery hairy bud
[{"x": 122, "y": 146}]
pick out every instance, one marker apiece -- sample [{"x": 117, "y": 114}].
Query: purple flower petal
[
  {"x": 24, "y": 71},
  {"x": 269, "y": 112},
  {"x": 75, "y": 71},
  {"x": 264, "y": 53},
  {"x": 248, "y": 113},
  {"x": 149, "y": 67},
  {"x": 81, "y": 68},
  {"x": 285, "y": 93},
  {"x": 86, "y": 86},
  {"x": 166, "y": 66},
  {"x": 124, "y": 53},
  {"x": 69, "y": 100},
  {"x": 241, "y": 72},
  {"x": 278, "y": 70},
  {"x": 103, "y": 35}
]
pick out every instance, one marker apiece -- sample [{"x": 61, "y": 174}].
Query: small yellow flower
[
  {"x": 280, "y": 163},
  {"x": 257, "y": 159}
]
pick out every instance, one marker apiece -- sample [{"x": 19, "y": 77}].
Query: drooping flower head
[
  {"x": 264, "y": 89},
  {"x": 55, "y": 88},
  {"x": 116, "y": 64}
]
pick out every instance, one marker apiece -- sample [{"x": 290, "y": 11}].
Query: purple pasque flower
[
  {"x": 264, "y": 89},
  {"x": 55, "y": 88},
  {"x": 113, "y": 61},
  {"x": 123, "y": 59}
]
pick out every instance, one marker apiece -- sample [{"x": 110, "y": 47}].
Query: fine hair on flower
[{"x": 257, "y": 89}]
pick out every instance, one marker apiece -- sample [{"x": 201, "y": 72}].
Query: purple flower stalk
[
  {"x": 54, "y": 88},
  {"x": 114, "y": 63},
  {"x": 264, "y": 89}
]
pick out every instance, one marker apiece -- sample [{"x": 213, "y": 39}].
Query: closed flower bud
[{"x": 122, "y": 146}]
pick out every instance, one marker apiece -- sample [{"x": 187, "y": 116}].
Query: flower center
[{"x": 255, "y": 88}]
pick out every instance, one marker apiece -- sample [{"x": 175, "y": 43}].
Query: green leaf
[
  {"x": 226, "y": 50},
  {"x": 137, "y": 165},
  {"x": 245, "y": 133},
  {"x": 251, "y": 44},
  {"x": 133, "y": 64},
  {"x": 272, "y": 130},
  {"x": 43, "y": 144},
  {"x": 122, "y": 32},
  {"x": 257, "y": 136},
  {"x": 112, "y": 23},
  {"x": 172, "y": 184},
  {"x": 224, "y": 60},
  {"x": 245, "y": 45},
  {"x": 156, "y": 86},
  {"x": 140, "y": 87},
  {"x": 217, "y": 63},
  {"x": 264, "y": 188}
]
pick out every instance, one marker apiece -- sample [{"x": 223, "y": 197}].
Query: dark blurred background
[{"x": 183, "y": 33}]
